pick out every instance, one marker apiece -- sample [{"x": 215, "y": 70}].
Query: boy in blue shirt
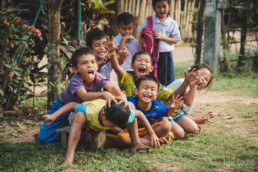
[{"x": 145, "y": 100}]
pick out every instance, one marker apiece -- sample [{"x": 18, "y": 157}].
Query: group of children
[{"x": 91, "y": 101}]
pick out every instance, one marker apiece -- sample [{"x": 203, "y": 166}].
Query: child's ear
[
  {"x": 131, "y": 65},
  {"x": 152, "y": 68},
  {"x": 136, "y": 91},
  {"x": 75, "y": 69}
]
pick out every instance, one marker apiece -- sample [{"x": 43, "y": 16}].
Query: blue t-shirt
[{"x": 157, "y": 110}]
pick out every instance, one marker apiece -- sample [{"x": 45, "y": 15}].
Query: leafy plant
[{"x": 18, "y": 57}]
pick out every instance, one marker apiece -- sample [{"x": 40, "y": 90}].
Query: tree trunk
[
  {"x": 54, "y": 73},
  {"x": 227, "y": 65},
  {"x": 241, "y": 59},
  {"x": 199, "y": 32}
]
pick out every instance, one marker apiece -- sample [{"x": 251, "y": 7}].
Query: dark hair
[
  {"x": 139, "y": 53},
  {"x": 201, "y": 66},
  {"x": 79, "y": 52},
  {"x": 144, "y": 78},
  {"x": 118, "y": 114},
  {"x": 94, "y": 35},
  {"x": 125, "y": 18},
  {"x": 155, "y": 1}
]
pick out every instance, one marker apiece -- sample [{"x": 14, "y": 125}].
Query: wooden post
[
  {"x": 211, "y": 49},
  {"x": 199, "y": 33},
  {"x": 98, "y": 139},
  {"x": 172, "y": 9}
]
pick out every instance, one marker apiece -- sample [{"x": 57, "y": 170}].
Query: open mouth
[
  {"x": 141, "y": 70},
  {"x": 91, "y": 74},
  {"x": 147, "y": 96},
  {"x": 102, "y": 53}
]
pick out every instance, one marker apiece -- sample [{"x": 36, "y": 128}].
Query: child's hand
[
  {"x": 191, "y": 75},
  {"x": 110, "y": 47},
  {"x": 176, "y": 101},
  {"x": 50, "y": 118},
  {"x": 158, "y": 35},
  {"x": 123, "y": 55},
  {"x": 205, "y": 119},
  {"x": 109, "y": 98},
  {"x": 154, "y": 140},
  {"x": 127, "y": 37},
  {"x": 123, "y": 98}
]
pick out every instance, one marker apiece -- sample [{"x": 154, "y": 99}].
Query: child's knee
[
  {"x": 165, "y": 126},
  {"x": 193, "y": 129},
  {"x": 79, "y": 118},
  {"x": 178, "y": 131}
]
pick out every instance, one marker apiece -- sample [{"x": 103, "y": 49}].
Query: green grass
[{"x": 222, "y": 145}]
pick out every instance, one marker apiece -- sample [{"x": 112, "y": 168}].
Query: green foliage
[{"x": 18, "y": 56}]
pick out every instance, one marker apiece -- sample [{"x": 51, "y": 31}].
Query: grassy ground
[{"x": 229, "y": 144}]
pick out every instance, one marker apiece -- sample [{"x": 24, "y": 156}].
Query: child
[
  {"x": 125, "y": 41},
  {"x": 181, "y": 116},
  {"x": 96, "y": 39},
  {"x": 145, "y": 100},
  {"x": 167, "y": 32},
  {"x": 85, "y": 85},
  {"x": 95, "y": 116}
]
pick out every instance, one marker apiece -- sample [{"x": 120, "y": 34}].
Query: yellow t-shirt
[
  {"x": 91, "y": 109},
  {"x": 127, "y": 84}
]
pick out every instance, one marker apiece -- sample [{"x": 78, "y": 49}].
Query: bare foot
[
  {"x": 68, "y": 159},
  {"x": 140, "y": 146}
]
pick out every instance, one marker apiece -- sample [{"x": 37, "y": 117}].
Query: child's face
[
  {"x": 142, "y": 65},
  {"x": 125, "y": 29},
  {"x": 206, "y": 77},
  {"x": 147, "y": 91},
  {"x": 87, "y": 67},
  {"x": 161, "y": 8},
  {"x": 98, "y": 46}
]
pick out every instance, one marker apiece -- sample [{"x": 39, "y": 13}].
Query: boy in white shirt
[{"x": 125, "y": 41}]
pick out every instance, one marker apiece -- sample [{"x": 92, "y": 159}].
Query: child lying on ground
[
  {"x": 145, "y": 100},
  {"x": 95, "y": 116}
]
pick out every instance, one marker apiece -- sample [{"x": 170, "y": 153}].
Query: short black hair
[
  {"x": 117, "y": 114},
  {"x": 94, "y": 34},
  {"x": 144, "y": 78},
  {"x": 155, "y": 1},
  {"x": 139, "y": 53},
  {"x": 79, "y": 52},
  {"x": 125, "y": 18},
  {"x": 201, "y": 66}
]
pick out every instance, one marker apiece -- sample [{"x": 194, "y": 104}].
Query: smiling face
[
  {"x": 86, "y": 67},
  {"x": 147, "y": 91},
  {"x": 98, "y": 46},
  {"x": 125, "y": 29},
  {"x": 206, "y": 77},
  {"x": 161, "y": 8},
  {"x": 142, "y": 65}
]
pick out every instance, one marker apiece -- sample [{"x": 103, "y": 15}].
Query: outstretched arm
[
  {"x": 66, "y": 108},
  {"x": 114, "y": 90},
  {"x": 202, "y": 120}
]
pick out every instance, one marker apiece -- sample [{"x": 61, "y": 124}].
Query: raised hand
[
  {"x": 176, "y": 101},
  {"x": 123, "y": 55},
  {"x": 110, "y": 47}
]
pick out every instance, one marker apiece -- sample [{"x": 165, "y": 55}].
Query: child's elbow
[{"x": 188, "y": 103}]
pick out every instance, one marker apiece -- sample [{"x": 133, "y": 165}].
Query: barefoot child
[
  {"x": 85, "y": 85},
  {"x": 94, "y": 116},
  {"x": 145, "y": 100},
  {"x": 182, "y": 117}
]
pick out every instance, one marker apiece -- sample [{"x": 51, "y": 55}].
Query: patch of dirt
[{"x": 222, "y": 97}]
